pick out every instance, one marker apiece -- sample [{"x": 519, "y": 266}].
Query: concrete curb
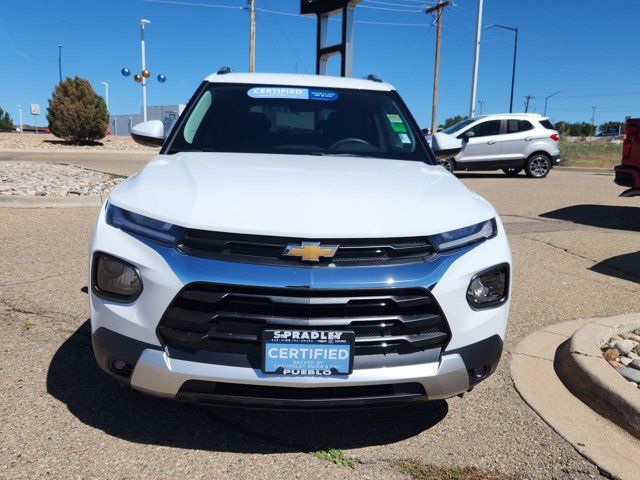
[
  {"x": 50, "y": 202},
  {"x": 534, "y": 364},
  {"x": 593, "y": 380},
  {"x": 585, "y": 169}
]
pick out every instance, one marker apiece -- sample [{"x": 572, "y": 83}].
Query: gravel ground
[
  {"x": 61, "y": 417},
  {"x": 29, "y": 141},
  {"x": 53, "y": 180}
]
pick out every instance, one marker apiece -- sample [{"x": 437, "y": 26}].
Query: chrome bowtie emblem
[{"x": 310, "y": 251}]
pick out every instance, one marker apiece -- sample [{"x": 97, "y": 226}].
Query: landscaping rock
[
  {"x": 624, "y": 346},
  {"x": 635, "y": 364},
  {"x": 611, "y": 354},
  {"x": 630, "y": 374},
  {"x": 35, "y": 179},
  {"x": 625, "y": 361}
]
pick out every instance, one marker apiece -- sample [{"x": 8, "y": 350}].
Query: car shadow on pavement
[
  {"x": 602, "y": 216},
  {"x": 486, "y": 175},
  {"x": 626, "y": 267},
  {"x": 97, "y": 400}
]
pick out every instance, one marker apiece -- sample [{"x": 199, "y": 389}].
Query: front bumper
[
  {"x": 127, "y": 332},
  {"x": 156, "y": 373}
]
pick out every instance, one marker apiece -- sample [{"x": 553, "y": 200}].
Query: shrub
[
  {"x": 76, "y": 113},
  {"x": 6, "y": 124}
]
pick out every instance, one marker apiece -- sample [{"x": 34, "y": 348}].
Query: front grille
[
  {"x": 263, "y": 395},
  {"x": 230, "y": 319},
  {"x": 269, "y": 250}
]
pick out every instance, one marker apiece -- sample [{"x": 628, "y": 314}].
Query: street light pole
[
  {"x": 20, "y": 115},
  {"x": 515, "y": 56},
  {"x": 60, "y": 62},
  {"x": 106, "y": 93},
  {"x": 546, "y": 99},
  {"x": 476, "y": 59},
  {"x": 143, "y": 22}
]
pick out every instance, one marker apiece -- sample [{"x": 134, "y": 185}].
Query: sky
[{"x": 582, "y": 48}]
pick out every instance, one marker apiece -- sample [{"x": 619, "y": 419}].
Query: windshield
[
  {"x": 298, "y": 120},
  {"x": 459, "y": 126}
]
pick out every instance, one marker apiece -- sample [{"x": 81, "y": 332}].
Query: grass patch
[
  {"x": 420, "y": 471},
  {"x": 598, "y": 154},
  {"x": 29, "y": 325},
  {"x": 335, "y": 456},
  {"x": 68, "y": 331}
]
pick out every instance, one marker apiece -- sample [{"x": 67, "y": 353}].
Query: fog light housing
[
  {"x": 489, "y": 288},
  {"x": 115, "y": 279}
]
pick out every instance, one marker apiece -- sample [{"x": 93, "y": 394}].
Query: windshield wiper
[{"x": 329, "y": 154}]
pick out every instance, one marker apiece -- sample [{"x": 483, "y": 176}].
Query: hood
[{"x": 311, "y": 197}]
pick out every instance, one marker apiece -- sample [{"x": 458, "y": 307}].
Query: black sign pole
[{"x": 324, "y": 9}]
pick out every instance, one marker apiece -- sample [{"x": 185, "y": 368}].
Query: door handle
[{"x": 491, "y": 142}]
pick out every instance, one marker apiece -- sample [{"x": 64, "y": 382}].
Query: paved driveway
[{"x": 575, "y": 247}]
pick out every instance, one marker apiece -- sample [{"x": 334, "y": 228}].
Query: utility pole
[
  {"x": 436, "y": 70},
  {"x": 60, "y": 62},
  {"x": 527, "y": 98},
  {"x": 252, "y": 35},
  {"x": 593, "y": 122},
  {"x": 476, "y": 60},
  {"x": 481, "y": 102}
]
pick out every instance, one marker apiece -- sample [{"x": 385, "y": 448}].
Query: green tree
[
  {"x": 76, "y": 112},
  {"x": 6, "y": 124},
  {"x": 451, "y": 121}
]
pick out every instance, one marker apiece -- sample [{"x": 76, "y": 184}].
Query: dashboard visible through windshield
[{"x": 298, "y": 120}]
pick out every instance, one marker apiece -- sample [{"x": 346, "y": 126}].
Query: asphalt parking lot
[{"x": 576, "y": 254}]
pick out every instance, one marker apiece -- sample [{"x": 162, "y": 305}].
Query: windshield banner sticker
[{"x": 292, "y": 93}]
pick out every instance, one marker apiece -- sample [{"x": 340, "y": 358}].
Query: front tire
[
  {"x": 511, "y": 172},
  {"x": 538, "y": 165},
  {"x": 448, "y": 164}
]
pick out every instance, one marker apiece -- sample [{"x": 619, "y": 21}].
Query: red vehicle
[{"x": 628, "y": 172}]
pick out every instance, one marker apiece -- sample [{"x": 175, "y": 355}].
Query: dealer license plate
[{"x": 307, "y": 352}]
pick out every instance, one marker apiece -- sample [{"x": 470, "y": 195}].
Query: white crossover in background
[
  {"x": 510, "y": 142},
  {"x": 296, "y": 244}
]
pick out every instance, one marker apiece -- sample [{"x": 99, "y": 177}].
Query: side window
[
  {"x": 484, "y": 129},
  {"x": 515, "y": 126},
  {"x": 547, "y": 124}
]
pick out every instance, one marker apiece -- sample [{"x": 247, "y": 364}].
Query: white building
[{"x": 121, "y": 124}]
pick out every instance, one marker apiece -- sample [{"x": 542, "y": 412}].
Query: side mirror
[
  {"x": 468, "y": 134},
  {"x": 445, "y": 146},
  {"x": 149, "y": 133}
]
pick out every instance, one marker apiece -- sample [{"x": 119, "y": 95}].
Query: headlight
[
  {"x": 489, "y": 288},
  {"x": 115, "y": 279},
  {"x": 157, "y": 230},
  {"x": 463, "y": 236}
]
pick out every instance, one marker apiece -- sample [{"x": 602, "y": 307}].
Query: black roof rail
[
  {"x": 225, "y": 70},
  {"x": 373, "y": 78}
]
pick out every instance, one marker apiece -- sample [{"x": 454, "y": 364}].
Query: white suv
[
  {"x": 507, "y": 142},
  {"x": 296, "y": 244}
]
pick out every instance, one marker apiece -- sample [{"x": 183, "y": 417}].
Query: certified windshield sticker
[
  {"x": 292, "y": 93},
  {"x": 393, "y": 118},
  {"x": 404, "y": 138},
  {"x": 326, "y": 95}
]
